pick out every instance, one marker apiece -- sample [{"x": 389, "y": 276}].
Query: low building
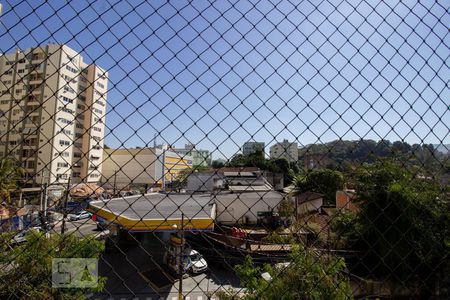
[
  {"x": 345, "y": 201},
  {"x": 233, "y": 179},
  {"x": 131, "y": 167},
  {"x": 308, "y": 202},
  {"x": 285, "y": 149},
  {"x": 253, "y": 147},
  {"x": 206, "y": 181},
  {"x": 244, "y": 208},
  {"x": 142, "y": 166}
]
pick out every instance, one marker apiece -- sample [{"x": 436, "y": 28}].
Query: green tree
[
  {"x": 217, "y": 164},
  {"x": 26, "y": 270},
  {"x": 10, "y": 176},
  {"x": 307, "y": 276},
  {"x": 403, "y": 226},
  {"x": 325, "y": 181}
]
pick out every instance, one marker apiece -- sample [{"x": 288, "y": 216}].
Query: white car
[
  {"x": 21, "y": 237},
  {"x": 195, "y": 263},
  {"x": 80, "y": 215}
]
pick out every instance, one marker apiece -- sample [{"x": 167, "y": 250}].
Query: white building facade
[
  {"x": 252, "y": 147},
  {"x": 285, "y": 149}
]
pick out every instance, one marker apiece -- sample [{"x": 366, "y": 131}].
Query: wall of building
[
  {"x": 285, "y": 150},
  {"x": 240, "y": 208},
  {"x": 309, "y": 206},
  {"x": 345, "y": 201},
  {"x": 142, "y": 166},
  {"x": 130, "y": 166},
  {"x": 174, "y": 163},
  {"x": 199, "y": 157},
  {"x": 203, "y": 182}
]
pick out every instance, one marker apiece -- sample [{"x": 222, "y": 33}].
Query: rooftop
[{"x": 157, "y": 211}]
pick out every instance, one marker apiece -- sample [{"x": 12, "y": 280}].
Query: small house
[{"x": 308, "y": 202}]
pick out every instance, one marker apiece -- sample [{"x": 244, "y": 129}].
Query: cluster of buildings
[
  {"x": 284, "y": 149},
  {"x": 52, "y": 121}
]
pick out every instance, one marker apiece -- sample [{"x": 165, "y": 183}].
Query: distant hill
[
  {"x": 337, "y": 154},
  {"x": 443, "y": 148}
]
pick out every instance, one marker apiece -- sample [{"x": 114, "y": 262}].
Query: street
[
  {"x": 80, "y": 228},
  {"x": 124, "y": 265}
]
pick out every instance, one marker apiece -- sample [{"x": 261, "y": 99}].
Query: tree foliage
[
  {"x": 10, "y": 176},
  {"x": 307, "y": 276},
  {"x": 274, "y": 165},
  {"x": 403, "y": 226},
  {"x": 26, "y": 271},
  {"x": 341, "y": 155},
  {"x": 217, "y": 164},
  {"x": 325, "y": 181}
]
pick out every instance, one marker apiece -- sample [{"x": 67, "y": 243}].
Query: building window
[
  {"x": 64, "y": 143},
  {"x": 68, "y": 89},
  {"x": 61, "y": 176},
  {"x": 69, "y": 68},
  {"x": 65, "y": 121},
  {"x": 65, "y": 109},
  {"x": 65, "y": 99}
]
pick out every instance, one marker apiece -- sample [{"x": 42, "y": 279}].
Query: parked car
[
  {"x": 195, "y": 263},
  {"x": 80, "y": 215},
  {"x": 21, "y": 237}
]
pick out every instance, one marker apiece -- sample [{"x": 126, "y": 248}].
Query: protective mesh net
[{"x": 224, "y": 149}]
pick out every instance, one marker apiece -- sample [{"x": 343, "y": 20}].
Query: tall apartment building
[
  {"x": 252, "y": 147},
  {"x": 52, "y": 114},
  {"x": 285, "y": 149}
]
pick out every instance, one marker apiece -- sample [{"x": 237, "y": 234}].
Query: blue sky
[{"x": 219, "y": 74}]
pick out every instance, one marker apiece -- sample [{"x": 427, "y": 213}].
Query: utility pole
[
  {"x": 163, "y": 163},
  {"x": 114, "y": 184},
  {"x": 181, "y": 266},
  {"x": 66, "y": 200},
  {"x": 45, "y": 200}
]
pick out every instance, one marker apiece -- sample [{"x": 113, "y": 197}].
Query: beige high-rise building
[
  {"x": 52, "y": 114},
  {"x": 285, "y": 149}
]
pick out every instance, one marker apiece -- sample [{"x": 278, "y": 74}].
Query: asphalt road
[
  {"x": 123, "y": 267},
  {"x": 80, "y": 228}
]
